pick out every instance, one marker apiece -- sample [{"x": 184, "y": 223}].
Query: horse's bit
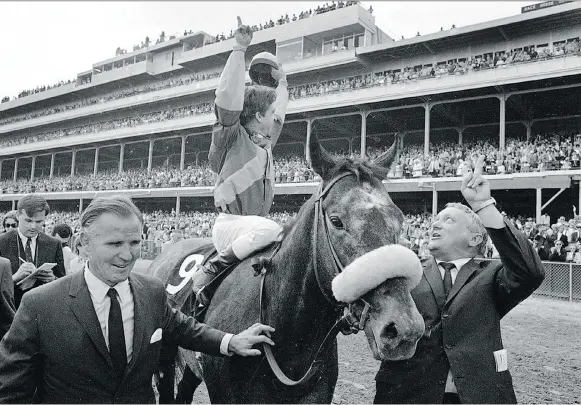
[{"x": 347, "y": 324}]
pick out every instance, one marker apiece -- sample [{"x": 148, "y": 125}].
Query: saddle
[{"x": 187, "y": 259}]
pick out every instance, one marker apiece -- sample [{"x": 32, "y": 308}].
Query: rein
[{"x": 349, "y": 323}]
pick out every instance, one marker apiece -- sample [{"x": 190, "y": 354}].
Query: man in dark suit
[
  {"x": 7, "y": 307},
  {"x": 461, "y": 358},
  {"x": 95, "y": 336},
  {"x": 27, "y": 247}
]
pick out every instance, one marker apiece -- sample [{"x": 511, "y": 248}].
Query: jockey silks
[{"x": 245, "y": 184}]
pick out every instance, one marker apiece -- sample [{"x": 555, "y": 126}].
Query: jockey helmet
[{"x": 260, "y": 69}]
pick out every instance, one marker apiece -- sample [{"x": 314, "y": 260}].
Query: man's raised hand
[
  {"x": 475, "y": 188},
  {"x": 243, "y": 34}
]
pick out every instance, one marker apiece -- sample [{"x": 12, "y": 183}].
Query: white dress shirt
[
  {"x": 24, "y": 240},
  {"x": 102, "y": 304},
  {"x": 450, "y": 386}
]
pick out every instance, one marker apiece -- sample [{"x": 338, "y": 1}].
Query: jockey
[{"x": 249, "y": 123}]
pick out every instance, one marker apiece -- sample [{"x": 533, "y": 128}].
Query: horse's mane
[{"x": 362, "y": 168}]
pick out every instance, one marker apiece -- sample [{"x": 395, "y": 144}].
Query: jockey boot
[{"x": 207, "y": 273}]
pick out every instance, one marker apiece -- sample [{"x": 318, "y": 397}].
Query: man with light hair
[
  {"x": 95, "y": 336},
  {"x": 462, "y": 298}
]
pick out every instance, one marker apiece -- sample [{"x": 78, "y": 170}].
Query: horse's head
[{"x": 358, "y": 217}]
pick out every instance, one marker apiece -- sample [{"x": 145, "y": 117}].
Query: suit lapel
[
  {"x": 139, "y": 319},
  {"x": 432, "y": 274},
  {"x": 463, "y": 276},
  {"x": 82, "y": 306}
]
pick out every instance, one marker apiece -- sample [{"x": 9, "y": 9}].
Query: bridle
[{"x": 348, "y": 323}]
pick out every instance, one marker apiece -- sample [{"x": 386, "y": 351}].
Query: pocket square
[{"x": 156, "y": 337}]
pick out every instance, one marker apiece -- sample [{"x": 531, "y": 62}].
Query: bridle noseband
[{"x": 348, "y": 323}]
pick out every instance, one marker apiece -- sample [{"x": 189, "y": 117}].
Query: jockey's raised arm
[{"x": 229, "y": 98}]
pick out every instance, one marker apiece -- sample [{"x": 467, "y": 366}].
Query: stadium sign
[{"x": 542, "y": 5}]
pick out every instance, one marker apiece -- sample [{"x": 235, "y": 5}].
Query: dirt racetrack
[{"x": 543, "y": 339}]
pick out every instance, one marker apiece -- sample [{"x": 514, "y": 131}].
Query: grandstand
[{"x": 140, "y": 122}]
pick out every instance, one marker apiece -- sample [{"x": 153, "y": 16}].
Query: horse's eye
[{"x": 337, "y": 222}]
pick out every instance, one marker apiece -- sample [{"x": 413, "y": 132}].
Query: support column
[
  {"x": 529, "y": 126},
  {"x": 427, "y": 107},
  {"x": 183, "y": 154},
  {"x": 1, "y": 161},
  {"x": 309, "y": 127},
  {"x": 178, "y": 202},
  {"x": 579, "y": 201},
  {"x": 121, "y": 156},
  {"x": 538, "y": 206},
  {"x": 73, "y": 162},
  {"x": 51, "y": 165},
  {"x": 434, "y": 201},
  {"x": 96, "y": 165},
  {"x": 460, "y": 133},
  {"x": 33, "y": 166},
  {"x": 502, "y": 132},
  {"x": 198, "y": 158},
  {"x": 363, "y": 133},
  {"x": 80, "y": 205},
  {"x": 150, "y": 158},
  {"x": 15, "y": 168},
  {"x": 13, "y": 205}
]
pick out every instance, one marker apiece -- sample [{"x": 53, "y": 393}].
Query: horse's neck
[{"x": 294, "y": 304}]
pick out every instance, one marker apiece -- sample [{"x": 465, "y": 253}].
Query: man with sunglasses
[{"x": 249, "y": 123}]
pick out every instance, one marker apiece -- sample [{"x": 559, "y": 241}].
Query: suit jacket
[
  {"x": 48, "y": 250},
  {"x": 463, "y": 332},
  {"x": 7, "y": 307},
  {"x": 55, "y": 351}
]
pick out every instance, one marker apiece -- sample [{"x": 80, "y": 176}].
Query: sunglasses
[{"x": 10, "y": 225}]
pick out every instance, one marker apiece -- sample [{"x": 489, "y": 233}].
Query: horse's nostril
[{"x": 389, "y": 332}]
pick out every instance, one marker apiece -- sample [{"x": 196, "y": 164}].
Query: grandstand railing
[{"x": 562, "y": 280}]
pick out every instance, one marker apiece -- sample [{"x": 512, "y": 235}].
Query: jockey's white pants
[{"x": 245, "y": 233}]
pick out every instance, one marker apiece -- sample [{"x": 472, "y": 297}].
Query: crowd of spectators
[
  {"x": 125, "y": 122},
  {"x": 285, "y": 19},
  {"x": 38, "y": 89},
  {"x": 115, "y": 95},
  {"x": 544, "y": 152},
  {"x": 460, "y": 66},
  {"x": 561, "y": 151},
  {"x": 557, "y": 242}
]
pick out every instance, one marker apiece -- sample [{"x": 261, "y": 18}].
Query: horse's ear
[
  {"x": 320, "y": 160},
  {"x": 388, "y": 158}
]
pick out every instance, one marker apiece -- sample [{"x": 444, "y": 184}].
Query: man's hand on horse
[
  {"x": 241, "y": 344},
  {"x": 243, "y": 34},
  {"x": 475, "y": 188}
]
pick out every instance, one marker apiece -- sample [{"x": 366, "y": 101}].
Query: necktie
[
  {"x": 117, "y": 347},
  {"x": 28, "y": 251},
  {"x": 447, "y": 276}
]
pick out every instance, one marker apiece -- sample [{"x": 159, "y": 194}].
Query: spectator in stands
[
  {"x": 64, "y": 233},
  {"x": 10, "y": 221},
  {"x": 176, "y": 235},
  {"x": 249, "y": 124},
  {"x": 558, "y": 252}
]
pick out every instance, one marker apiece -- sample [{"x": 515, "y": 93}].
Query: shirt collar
[
  {"x": 24, "y": 239},
  {"x": 459, "y": 263},
  {"x": 99, "y": 289}
]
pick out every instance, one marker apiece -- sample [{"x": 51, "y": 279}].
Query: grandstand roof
[{"x": 503, "y": 29}]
